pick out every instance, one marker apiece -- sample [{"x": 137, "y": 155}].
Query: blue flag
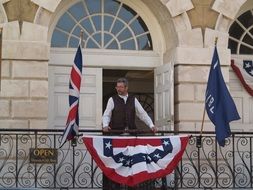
[{"x": 219, "y": 104}]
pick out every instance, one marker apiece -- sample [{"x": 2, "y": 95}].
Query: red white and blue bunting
[
  {"x": 132, "y": 160},
  {"x": 244, "y": 71}
]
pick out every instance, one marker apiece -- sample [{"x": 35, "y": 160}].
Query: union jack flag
[
  {"x": 72, "y": 123},
  {"x": 132, "y": 160}
]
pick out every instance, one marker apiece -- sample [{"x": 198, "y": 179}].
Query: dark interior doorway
[{"x": 141, "y": 84}]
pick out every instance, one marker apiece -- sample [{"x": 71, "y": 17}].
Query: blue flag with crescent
[{"x": 219, "y": 104}]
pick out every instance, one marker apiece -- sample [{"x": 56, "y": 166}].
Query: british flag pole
[{"x": 72, "y": 123}]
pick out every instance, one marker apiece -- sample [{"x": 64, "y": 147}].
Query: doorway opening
[{"x": 141, "y": 85}]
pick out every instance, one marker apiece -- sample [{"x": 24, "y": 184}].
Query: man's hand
[
  {"x": 106, "y": 129},
  {"x": 154, "y": 129}
]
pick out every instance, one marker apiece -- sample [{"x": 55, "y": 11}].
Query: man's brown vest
[{"x": 123, "y": 114}]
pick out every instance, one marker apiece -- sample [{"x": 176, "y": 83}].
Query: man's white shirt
[{"x": 140, "y": 112}]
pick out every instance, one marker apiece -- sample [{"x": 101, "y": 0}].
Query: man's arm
[
  {"x": 107, "y": 115},
  {"x": 142, "y": 114}
]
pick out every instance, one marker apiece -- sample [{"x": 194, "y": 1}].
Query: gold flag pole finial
[
  {"x": 81, "y": 38},
  {"x": 215, "y": 41}
]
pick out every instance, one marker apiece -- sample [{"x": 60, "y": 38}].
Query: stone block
[
  {"x": 14, "y": 49},
  {"x": 184, "y": 92},
  {"x": 6, "y": 69},
  {"x": 38, "y": 124},
  {"x": 210, "y": 35},
  {"x": 185, "y": 126},
  {"x": 14, "y": 124},
  {"x": 14, "y": 88},
  {"x": 197, "y": 74},
  {"x": 190, "y": 38},
  {"x": 30, "y": 69},
  {"x": 201, "y": 56},
  {"x": 34, "y": 32},
  {"x": 200, "y": 90},
  {"x": 3, "y": 17},
  {"x": 207, "y": 126},
  {"x": 4, "y": 108},
  {"x": 177, "y": 7},
  {"x": 29, "y": 109},
  {"x": 43, "y": 17},
  {"x": 47, "y": 4},
  {"x": 39, "y": 89},
  {"x": 223, "y": 24},
  {"x": 182, "y": 22},
  {"x": 189, "y": 111},
  {"x": 191, "y": 74},
  {"x": 11, "y": 31},
  {"x": 227, "y": 7}
]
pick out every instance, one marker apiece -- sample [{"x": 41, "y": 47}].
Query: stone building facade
[{"x": 182, "y": 32}]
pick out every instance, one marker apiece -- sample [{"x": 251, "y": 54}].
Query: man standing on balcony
[
  {"x": 120, "y": 115},
  {"x": 121, "y": 110}
]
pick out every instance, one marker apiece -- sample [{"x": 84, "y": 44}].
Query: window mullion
[{"x": 102, "y": 24}]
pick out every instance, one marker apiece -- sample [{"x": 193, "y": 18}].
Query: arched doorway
[
  {"x": 116, "y": 38},
  {"x": 241, "y": 45}
]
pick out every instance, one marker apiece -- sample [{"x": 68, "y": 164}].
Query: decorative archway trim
[
  {"x": 3, "y": 16},
  {"x": 47, "y": 4},
  {"x": 229, "y": 8},
  {"x": 177, "y": 7},
  {"x": 178, "y": 10}
]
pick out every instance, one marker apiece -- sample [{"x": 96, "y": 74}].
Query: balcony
[{"x": 207, "y": 167}]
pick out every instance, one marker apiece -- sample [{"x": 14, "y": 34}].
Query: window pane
[
  {"x": 126, "y": 13},
  {"x": 111, "y": 7},
  {"x": 97, "y": 37},
  {"x": 143, "y": 43},
  {"x": 107, "y": 38},
  {"x": 66, "y": 23},
  {"x": 107, "y": 23},
  {"x": 78, "y": 11},
  {"x": 59, "y": 39},
  {"x": 113, "y": 45},
  {"x": 87, "y": 25},
  {"x": 117, "y": 27},
  {"x": 245, "y": 50},
  {"x": 125, "y": 34},
  {"x": 130, "y": 45},
  {"x": 91, "y": 44},
  {"x": 248, "y": 40},
  {"x": 246, "y": 19},
  {"x": 138, "y": 26},
  {"x": 94, "y": 6},
  {"x": 73, "y": 43},
  {"x": 233, "y": 46},
  {"x": 97, "y": 22},
  {"x": 236, "y": 31}
]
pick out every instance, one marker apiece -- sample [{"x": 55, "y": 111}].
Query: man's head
[{"x": 122, "y": 86}]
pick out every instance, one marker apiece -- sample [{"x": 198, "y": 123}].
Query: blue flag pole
[{"x": 199, "y": 138}]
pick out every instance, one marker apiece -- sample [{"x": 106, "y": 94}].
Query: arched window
[
  {"x": 241, "y": 34},
  {"x": 107, "y": 24}
]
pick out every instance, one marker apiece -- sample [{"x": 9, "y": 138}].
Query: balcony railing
[{"x": 207, "y": 167}]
